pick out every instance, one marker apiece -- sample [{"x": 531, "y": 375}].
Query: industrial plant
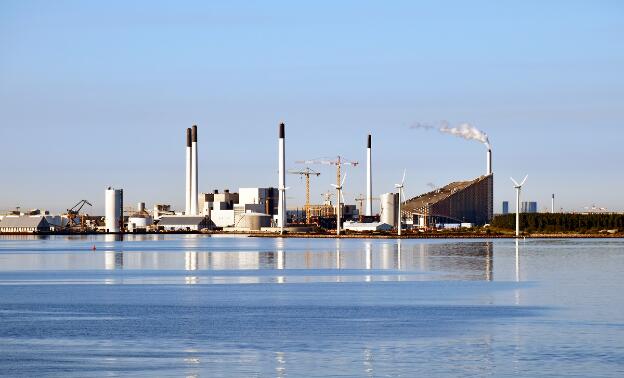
[{"x": 264, "y": 209}]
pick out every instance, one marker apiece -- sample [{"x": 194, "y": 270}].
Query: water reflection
[
  {"x": 250, "y": 260},
  {"x": 280, "y": 364}
]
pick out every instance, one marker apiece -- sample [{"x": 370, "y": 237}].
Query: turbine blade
[
  {"x": 514, "y": 181},
  {"x": 335, "y": 186},
  {"x": 403, "y": 179},
  {"x": 343, "y": 179},
  {"x": 525, "y": 177}
]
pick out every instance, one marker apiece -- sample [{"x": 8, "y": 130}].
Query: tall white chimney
[
  {"x": 552, "y": 204},
  {"x": 194, "y": 189},
  {"x": 281, "y": 210},
  {"x": 187, "y": 210},
  {"x": 369, "y": 180},
  {"x": 489, "y": 161}
]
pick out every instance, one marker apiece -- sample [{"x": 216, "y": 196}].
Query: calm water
[{"x": 187, "y": 305}]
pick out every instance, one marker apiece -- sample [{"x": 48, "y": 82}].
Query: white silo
[
  {"x": 113, "y": 209},
  {"x": 389, "y": 208}
]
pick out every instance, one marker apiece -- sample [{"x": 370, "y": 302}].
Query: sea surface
[{"x": 223, "y": 306}]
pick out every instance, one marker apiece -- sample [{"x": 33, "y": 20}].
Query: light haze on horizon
[{"x": 97, "y": 94}]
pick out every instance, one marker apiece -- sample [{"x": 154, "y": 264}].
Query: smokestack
[
  {"x": 187, "y": 210},
  {"x": 489, "y": 161},
  {"x": 281, "y": 209},
  {"x": 552, "y": 204},
  {"x": 194, "y": 191},
  {"x": 369, "y": 180}
]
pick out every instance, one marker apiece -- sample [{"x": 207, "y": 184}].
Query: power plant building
[{"x": 457, "y": 202}]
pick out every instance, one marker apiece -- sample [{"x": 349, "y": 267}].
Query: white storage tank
[
  {"x": 254, "y": 221},
  {"x": 389, "y": 208},
  {"x": 113, "y": 209}
]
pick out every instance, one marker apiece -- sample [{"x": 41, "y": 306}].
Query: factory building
[
  {"x": 140, "y": 220},
  {"x": 230, "y": 209},
  {"x": 161, "y": 210},
  {"x": 184, "y": 223},
  {"x": 457, "y": 202}
]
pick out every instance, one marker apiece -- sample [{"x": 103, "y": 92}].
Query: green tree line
[{"x": 560, "y": 222}]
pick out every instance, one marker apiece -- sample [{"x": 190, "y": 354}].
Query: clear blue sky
[{"x": 99, "y": 93}]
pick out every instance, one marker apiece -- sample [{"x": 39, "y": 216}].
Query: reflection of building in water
[
  {"x": 473, "y": 260},
  {"x": 113, "y": 257},
  {"x": 368, "y": 251},
  {"x": 368, "y": 362},
  {"x": 190, "y": 260},
  {"x": 234, "y": 260},
  {"x": 113, "y": 260},
  {"x": 280, "y": 364},
  {"x": 489, "y": 261}
]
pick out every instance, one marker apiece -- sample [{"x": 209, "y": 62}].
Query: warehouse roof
[{"x": 24, "y": 222}]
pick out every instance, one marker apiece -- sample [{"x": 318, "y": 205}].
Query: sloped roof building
[
  {"x": 462, "y": 201},
  {"x": 24, "y": 224}
]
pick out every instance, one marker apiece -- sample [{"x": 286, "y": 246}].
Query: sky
[{"x": 99, "y": 93}]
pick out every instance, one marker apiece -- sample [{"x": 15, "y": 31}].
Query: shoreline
[{"x": 342, "y": 236}]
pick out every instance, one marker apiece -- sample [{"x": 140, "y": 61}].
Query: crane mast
[{"x": 307, "y": 172}]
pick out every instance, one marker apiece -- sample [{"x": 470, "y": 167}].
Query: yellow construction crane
[
  {"x": 307, "y": 172},
  {"x": 338, "y": 162}
]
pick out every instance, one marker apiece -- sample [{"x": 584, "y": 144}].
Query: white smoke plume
[{"x": 464, "y": 130}]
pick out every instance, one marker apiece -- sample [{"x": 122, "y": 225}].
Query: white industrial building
[
  {"x": 371, "y": 226},
  {"x": 229, "y": 209}
]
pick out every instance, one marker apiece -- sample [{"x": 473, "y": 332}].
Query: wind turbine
[
  {"x": 340, "y": 198},
  {"x": 400, "y": 190},
  {"x": 518, "y": 187}
]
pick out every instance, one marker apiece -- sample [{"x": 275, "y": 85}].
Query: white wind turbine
[
  {"x": 401, "y": 195},
  {"x": 340, "y": 198},
  {"x": 518, "y": 188}
]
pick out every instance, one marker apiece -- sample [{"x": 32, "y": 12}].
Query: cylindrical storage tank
[
  {"x": 113, "y": 209},
  {"x": 256, "y": 221},
  {"x": 141, "y": 207},
  {"x": 389, "y": 208}
]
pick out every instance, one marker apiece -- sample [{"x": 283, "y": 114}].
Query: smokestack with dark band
[
  {"x": 187, "y": 209},
  {"x": 369, "y": 180},
  {"x": 489, "y": 161},
  {"x": 194, "y": 170},
  {"x": 281, "y": 209}
]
